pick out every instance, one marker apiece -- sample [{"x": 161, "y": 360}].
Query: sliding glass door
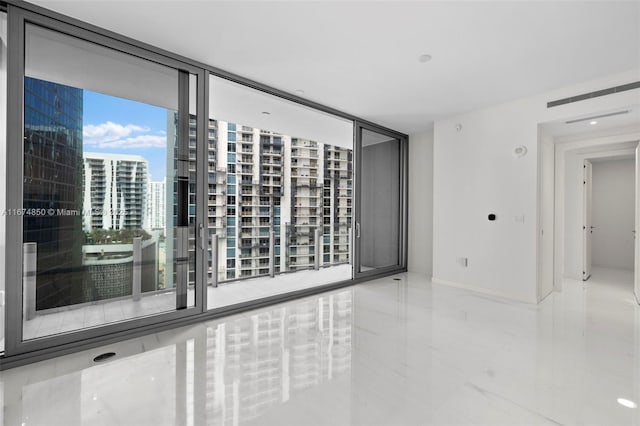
[
  {"x": 105, "y": 205},
  {"x": 280, "y": 195},
  {"x": 381, "y": 219},
  {"x": 144, "y": 189}
]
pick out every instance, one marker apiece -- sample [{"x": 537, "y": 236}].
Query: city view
[{"x": 114, "y": 160}]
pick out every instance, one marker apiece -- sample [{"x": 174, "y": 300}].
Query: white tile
[{"x": 380, "y": 353}]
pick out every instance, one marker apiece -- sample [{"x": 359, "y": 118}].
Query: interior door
[
  {"x": 587, "y": 226},
  {"x": 381, "y": 212},
  {"x": 637, "y": 227}
]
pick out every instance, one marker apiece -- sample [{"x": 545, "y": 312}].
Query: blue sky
[{"x": 121, "y": 126}]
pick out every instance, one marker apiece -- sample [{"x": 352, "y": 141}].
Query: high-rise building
[
  {"x": 115, "y": 191},
  {"x": 156, "y": 207},
  {"x": 53, "y": 184},
  {"x": 306, "y": 203},
  {"x": 260, "y": 182},
  {"x": 337, "y": 203}
]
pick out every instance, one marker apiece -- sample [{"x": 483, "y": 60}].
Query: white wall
[
  {"x": 573, "y": 219},
  {"x": 475, "y": 174},
  {"x": 546, "y": 194},
  {"x": 421, "y": 202},
  {"x": 613, "y": 213}
]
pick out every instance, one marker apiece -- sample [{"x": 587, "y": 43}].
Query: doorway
[
  {"x": 608, "y": 213},
  {"x": 381, "y": 213},
  {"x": 572, "y": 146}
]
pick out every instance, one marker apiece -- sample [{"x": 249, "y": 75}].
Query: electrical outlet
[
  {"x": 1, "y": 298},
  {"x": 463, "y": 261}
]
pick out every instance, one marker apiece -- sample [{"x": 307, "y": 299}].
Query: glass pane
[
  {"x": 380, "y": 218},
  {"x": 3, "y": 159},
  {"x": 280, "y": 194},
  {"x": 99, "y": 173}
]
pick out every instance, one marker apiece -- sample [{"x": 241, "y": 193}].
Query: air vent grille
[{"x": 596, "y": 94}]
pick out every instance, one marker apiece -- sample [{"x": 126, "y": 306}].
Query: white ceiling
[{"x": 362, "y": 56}]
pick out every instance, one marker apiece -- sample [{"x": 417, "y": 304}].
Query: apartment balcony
[
  {"x": 254, "y": 266},
  {"x": 216, "y": 192},
  {"x": 308, "y": 216},
  {"x": 304, "y": 174},
  {"x": 300, "y": 264},
  {"x": 307, "y": 206},
  {"x": 272, "y": 162},
  {"x": 216, "y": 223},
  {"x": 271, "y": 188},
  {"x": 300, "y": 244},
  {"x": 304, "y": 143}
]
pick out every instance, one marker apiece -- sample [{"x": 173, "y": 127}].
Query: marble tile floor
[
  {"x": 385, "y": 352},
  {"x": 225, "y": 294}
]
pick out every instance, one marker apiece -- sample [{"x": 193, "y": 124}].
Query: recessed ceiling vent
[
  {"x": 595, "y": 117},
  {"x": 596, "y": 94}
]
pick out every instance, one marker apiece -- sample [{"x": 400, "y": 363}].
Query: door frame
[
  {"x": 403, "y": 192},
  {"x": 14, "y": 344},
  {"x": 562, "y": 149},
  {"x": 587, "y": 219},
  {"x": 636, "y": 237}
]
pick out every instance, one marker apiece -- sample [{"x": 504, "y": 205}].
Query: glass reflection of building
[
  {"x": 257, "y": 362},
  {"x": 52, "y": 180}
]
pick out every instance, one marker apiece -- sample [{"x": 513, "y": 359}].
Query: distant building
[
  {"x": 109, "y": 269},
  {"x": 115, "y": 191},
  {"x": 156, "y": 207},
  {"x": 260, "y": 181}
]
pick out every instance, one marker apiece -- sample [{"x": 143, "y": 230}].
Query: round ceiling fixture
[
  {"x": 520, "y": 151},
  {"x": 425, "y": 58},
  {"x": 299, "y": 92},
  {"x": 593, "y": 122}
]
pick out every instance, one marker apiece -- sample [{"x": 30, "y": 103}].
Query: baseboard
[{"x": 481, "y": 290}]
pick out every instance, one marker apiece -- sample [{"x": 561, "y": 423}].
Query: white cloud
[
  {"x": 114, "y": 135},
  {"x": 140, "y": 141}
]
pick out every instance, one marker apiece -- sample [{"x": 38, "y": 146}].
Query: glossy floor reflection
[
  {"x": 78, "y": 317},
  {"x": 381, "y": 353}
]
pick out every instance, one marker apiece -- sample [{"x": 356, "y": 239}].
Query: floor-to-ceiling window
[
  {"x": 3, "y": 133},
  {"x": 280, "y": 187},
  {"x": 139, "y": 186},
  {"x": 102, "y": 222}
]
